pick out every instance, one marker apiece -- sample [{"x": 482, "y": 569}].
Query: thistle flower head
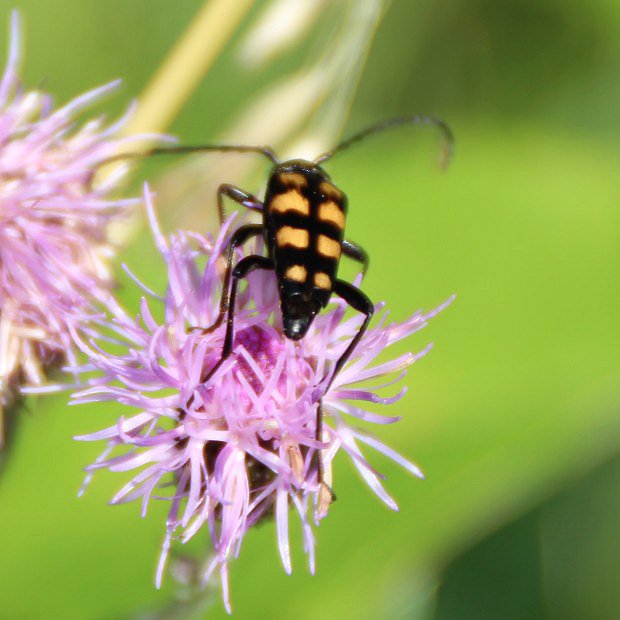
[
  {"x": 243, "y": 445},
  {"x": 53, "y": 249}
]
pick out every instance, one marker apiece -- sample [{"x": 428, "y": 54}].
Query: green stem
[{"x": 187, "y": 64}]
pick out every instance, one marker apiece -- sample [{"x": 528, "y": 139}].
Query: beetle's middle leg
[
  {"x": 243, "y": 268},
  {"x": 240, "y": 236},
  {"x": 357, "y": 253}
]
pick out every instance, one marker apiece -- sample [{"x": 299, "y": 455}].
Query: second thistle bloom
[
  {"x": 53, "y": 222},
  {"x": 242, "y": 445}
]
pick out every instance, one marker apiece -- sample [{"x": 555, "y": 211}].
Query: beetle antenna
[
  {"x": 446, "y": 132},
  {"x": 183, "y": 150}
]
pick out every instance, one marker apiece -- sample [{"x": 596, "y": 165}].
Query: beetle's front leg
[{"x": 239, "y": 195}]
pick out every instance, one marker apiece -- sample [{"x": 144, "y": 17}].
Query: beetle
[{"x": 303, "y": 223}]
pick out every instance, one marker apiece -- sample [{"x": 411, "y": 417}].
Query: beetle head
[{"x": 298, "y": 312}]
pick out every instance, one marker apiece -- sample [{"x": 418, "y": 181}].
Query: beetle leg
[
  {"x": 239, "y": 196},
  {"x": 239, "y": 237},
  {"x": 357, "y": 253},
  {"x": 326, "y": 495},
  {"x": 360, "y": 302},
  {"x": 243, "y": 268}
]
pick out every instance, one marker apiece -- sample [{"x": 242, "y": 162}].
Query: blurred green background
[{"x": 515, "y": 415}]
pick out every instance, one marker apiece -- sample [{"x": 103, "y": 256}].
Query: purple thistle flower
[
  {"x": 53, "y": 244},
  {"x": 243, "y": 445}
]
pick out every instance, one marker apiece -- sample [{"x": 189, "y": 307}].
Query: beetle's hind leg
[
  {"x": 360, "y": 302},
  {"x": 239, "y": 195},
  {"x": 326, "y": 495}
]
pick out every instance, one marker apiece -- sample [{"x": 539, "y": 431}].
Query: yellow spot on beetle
[
  {"x": 331, "y": 191},
  {"x": 290, "y": 201},
  {"x": 328, "y": 247},
  {"x": 298, "y": 273},
  {"x": 330, "y": 212},
  {"x": 297, "y": 237},
  {"x": 322, "y": 280},
  {"x": 293, "y": 179}
]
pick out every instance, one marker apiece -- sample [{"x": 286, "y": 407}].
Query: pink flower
[
  {"x": 243, "y": 444},
  {"x": 53, "y": 245}
]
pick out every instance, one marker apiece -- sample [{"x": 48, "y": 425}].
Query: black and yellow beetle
[{"x": 303, "y": 224}]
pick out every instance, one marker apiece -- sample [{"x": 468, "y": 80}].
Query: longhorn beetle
[{"x": 303, "y": 223}]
